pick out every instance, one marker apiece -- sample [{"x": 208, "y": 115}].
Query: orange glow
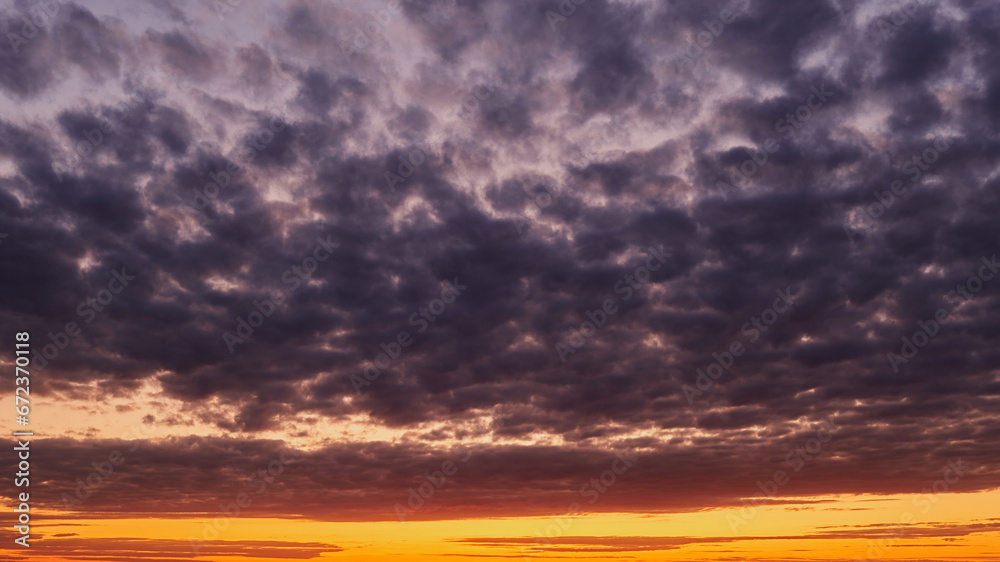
[{"x": 957, "y": 527}]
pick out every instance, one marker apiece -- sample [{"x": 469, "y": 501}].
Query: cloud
[{"x": 126, "y": 203}]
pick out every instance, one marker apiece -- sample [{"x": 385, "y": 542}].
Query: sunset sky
[{"x": 456, "y": 280}]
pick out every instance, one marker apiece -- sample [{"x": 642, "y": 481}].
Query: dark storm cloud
[
  {"x": 469, "y": 211},
  {"x": 192, "y": 476}
]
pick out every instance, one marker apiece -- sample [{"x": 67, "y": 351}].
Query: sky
[{"x": 464, "y": 280}]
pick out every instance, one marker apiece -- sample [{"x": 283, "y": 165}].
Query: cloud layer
[{"x": 538, "y": 161}]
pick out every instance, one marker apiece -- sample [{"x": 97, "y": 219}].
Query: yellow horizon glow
[{"x": 802, "y": 521}]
